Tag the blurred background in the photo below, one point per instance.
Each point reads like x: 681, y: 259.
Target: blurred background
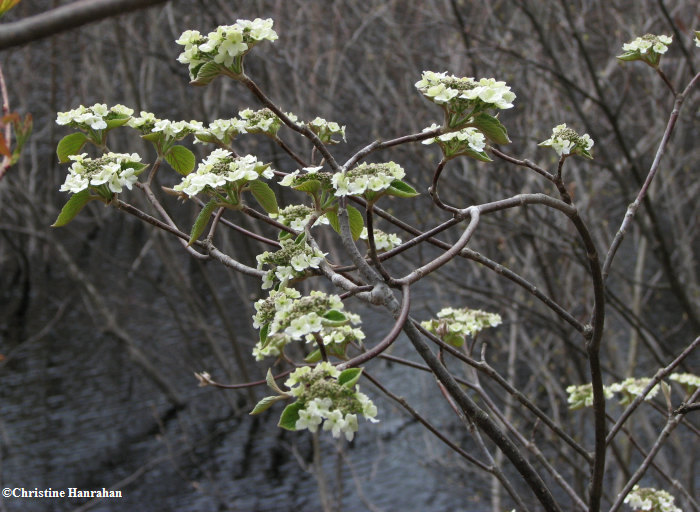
x: 103, y: 322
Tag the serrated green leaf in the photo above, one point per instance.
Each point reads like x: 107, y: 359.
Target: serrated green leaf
x: 492, y: 128
x: 290, y: 415
x: 312, y: 187
x: 264, y: 195
x: 357, y: 222
x: 181, y: 159
x: 118, y: 121
x: 349, y: 377
x: 266, y: 403
x: 332, y: 216
x: 76, y: 203
x: 202, y: 220
x: 270, y: 379
x: 206, y: 73
x: 313, y: 357
x: 399, y: 188
x: 70, y: 145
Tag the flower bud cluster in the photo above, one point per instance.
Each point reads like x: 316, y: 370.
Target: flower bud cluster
x: 461, y: 94
x: 364, y: 177
x: 94, y: 117
x: 326, y: 130
x: 325, y: 400
x: 582, y: 396
x: 219, y: 169
x: 289, y: 262
x: 111, y: 172
x: 653, y: 500
x: 382, y: 241
x: 225, y: 44
x: 566, y: 141
x: 297, y: 216
x: 454, y: 324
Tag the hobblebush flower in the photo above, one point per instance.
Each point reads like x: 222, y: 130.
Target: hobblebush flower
x: 467, y: 141
x: 566, y: 142
x: 221, y: 131
x: 329, y: 397
x: 367, y: 177
x: 289, y: 262
x: 297, y: 216
x: 147, y: 123
x: 653, y: 500
x: 96, y: 117
x: 649, y: 48
x: 442, y: 88
x: 382, y: 241
x: 690, y: 381
x: 631, y: 388
x: 223, y: 173
x: 106, y: 175
x: 582, y: 396
x: 453, y: 325
x: 285, y: 316
x: 224, y: 48
x: 326, y: 130
x: 263, y: 121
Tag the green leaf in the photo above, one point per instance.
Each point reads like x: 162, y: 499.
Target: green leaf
x: 270, y: 379
x: 155, y: 137
x: 312, y: 187
x: 202, y: 221
x: 332, y: 216
x: 454, y: 339
x: 477, y: 155
x: 300, y: 239
x: 73, y: 207
x: 335, y: 316
x: 264, y: 195
x: 181, y: 159
x: 357, y: 222
x: 313, y: 357
x: 290, y: 415
x: 266, y: 403
x: 206, y: 73
x: 70, y: 145
x: 263, y: 333
x: 399, y: 188
x: 491, y: 128
x: 349, y: 377
x: 118, y: 121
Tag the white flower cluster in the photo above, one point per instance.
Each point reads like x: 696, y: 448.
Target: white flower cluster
x: 582, y: 396
x: 454, y: 324
x: 653, y: 500
x: 566, y: 141
x: 286, y: 311
x: 374, y: 177
x: 113, y: 170
x: 326, y: 130
x: 442, y: 88
x: 470, y: 137
x: 327, y: 401
x: 689, y: 380
x: 631, y: 388
x: 225, y: 44
x: 221, y: 131
x: 289, y: 262
x: 296, y: 178
x: 94, y: 117
x: 263, y: 121
x: 148, y: 123
x: 382, y: 241
x: 221, y: 168
x: 641, y: 45
x: 297, y: 216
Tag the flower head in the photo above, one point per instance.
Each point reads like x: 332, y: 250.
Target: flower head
x: 566, y: 142
x: 453, y: 325
x: 467, y: 141
x: 106, y: 175
x: 649, y: 48
x: 366, y: 177
x: 95, y: 117
x: 653, y: 500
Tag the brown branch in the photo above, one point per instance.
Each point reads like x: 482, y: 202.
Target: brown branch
x: 66, y: 17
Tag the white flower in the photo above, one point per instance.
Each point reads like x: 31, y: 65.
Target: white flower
x: 374, y: 177
x: 566, y: 141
